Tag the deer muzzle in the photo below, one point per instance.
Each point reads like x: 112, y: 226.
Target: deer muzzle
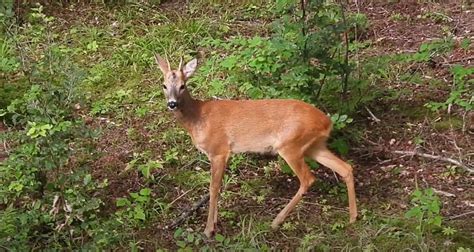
x: 172, y: 105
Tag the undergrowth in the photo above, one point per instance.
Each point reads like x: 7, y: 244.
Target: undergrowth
x: 64, y: 85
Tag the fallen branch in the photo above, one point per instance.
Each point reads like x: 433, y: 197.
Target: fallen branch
x: 372, y: 115
x: 456, y: 60
x: 447, y: 194
x: 182, y: 195
x: 460, y: 215
x: 445, y: 159
x: 185, y: 215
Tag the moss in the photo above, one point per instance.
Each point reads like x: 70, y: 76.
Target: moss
x: 448, y: 123
x: 412, y: 112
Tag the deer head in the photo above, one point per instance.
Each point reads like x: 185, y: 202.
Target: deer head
x: 174, y: 85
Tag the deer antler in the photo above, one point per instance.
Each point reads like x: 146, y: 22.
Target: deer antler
x: 167, y: 61
x: 180, y: 62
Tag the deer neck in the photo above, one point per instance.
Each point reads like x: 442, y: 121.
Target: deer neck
x: 188, y: 113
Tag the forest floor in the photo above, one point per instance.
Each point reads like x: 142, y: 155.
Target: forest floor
x: 255, y: 189
x: 384, y: 179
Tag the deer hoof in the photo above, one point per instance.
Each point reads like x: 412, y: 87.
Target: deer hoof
x: 209, y: 232
x: 352, y: 219
x: 275, y: 224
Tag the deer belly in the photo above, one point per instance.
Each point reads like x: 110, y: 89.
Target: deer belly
x: 266, y: 146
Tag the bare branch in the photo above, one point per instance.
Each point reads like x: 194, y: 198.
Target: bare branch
x: 190, y: 211
x: 345, y: 74
x: 180, y: 196
x: 372, y: 115
x: 450, y: 62
x: 447, y: 194
x: 445, y: 159
x: 460, y: 215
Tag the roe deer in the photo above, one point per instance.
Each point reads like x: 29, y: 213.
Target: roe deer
x: 291, y: 128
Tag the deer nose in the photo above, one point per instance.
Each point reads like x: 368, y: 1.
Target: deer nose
x: 172, y: 105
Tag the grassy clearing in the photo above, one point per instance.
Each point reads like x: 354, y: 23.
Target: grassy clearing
x: 96, y: 162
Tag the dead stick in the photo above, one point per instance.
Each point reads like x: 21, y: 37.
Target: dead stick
x: 182, y: 195
x: 190, y: 211
x: 447, y: 194
x: 445, y: 159
x: 460, y: 215
x: 457, y: 60
x: 372, y: 115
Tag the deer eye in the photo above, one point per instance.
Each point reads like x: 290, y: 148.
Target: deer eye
x: 181, y: 88
x: 164, y: 86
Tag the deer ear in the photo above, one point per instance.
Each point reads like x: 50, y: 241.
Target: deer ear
x: 162, y: 63
x: 189, y: 69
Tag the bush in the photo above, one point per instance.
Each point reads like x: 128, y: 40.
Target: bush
x: 305, y: 58
x: 46, y: 197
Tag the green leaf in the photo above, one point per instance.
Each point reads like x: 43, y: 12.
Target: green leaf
x: 465, y: 43
x: 229, y: 62
x: 416, y: 194
x: 413, y: 212
x: 122, y: 202
x: 178, y: 233
x: 15, y: 186
x: 92, y: 46
x: 31, y: 132
x: 181, y: 244
x: 437, y: 221
x: 146, y: 170
x: 139, y: 214
x: 45, y: 127
x: 340, y: 145
x: 190, y: 238
x: 145, y: 191
x: 285, y: 168
x: 219, y: 238
x: 87, y: 179
x: 448, y: 231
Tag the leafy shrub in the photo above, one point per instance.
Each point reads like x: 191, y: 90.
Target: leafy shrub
x: 305, y: 58
x: 134, y: 209
x: 462, y: 90
x: 8, y: 62
x: 38, y: 186
x: 426, y: 210
x: 429, y: 50
x: 46, y: 192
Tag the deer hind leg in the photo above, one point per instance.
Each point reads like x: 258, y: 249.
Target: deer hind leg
x: 306, y: 178
x: 325, y: 157
x: 218, y: 163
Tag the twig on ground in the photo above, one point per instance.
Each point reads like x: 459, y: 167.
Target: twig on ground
x: 372, y: 115
x: 445, y: 159
x: 5, y: 147
x: 457, y: 60
x: 335, y: 176
x: 217, y: 98
x: 447, y: 194
x: 180, y: 196
x: 460, y: 215
x: 190, y: 211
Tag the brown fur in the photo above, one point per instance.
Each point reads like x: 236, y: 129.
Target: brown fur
x: 291, y: 128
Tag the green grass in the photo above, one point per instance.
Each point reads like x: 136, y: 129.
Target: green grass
x: 123, y: 85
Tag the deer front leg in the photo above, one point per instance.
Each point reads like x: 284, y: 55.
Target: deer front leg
x: 218, y: 164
